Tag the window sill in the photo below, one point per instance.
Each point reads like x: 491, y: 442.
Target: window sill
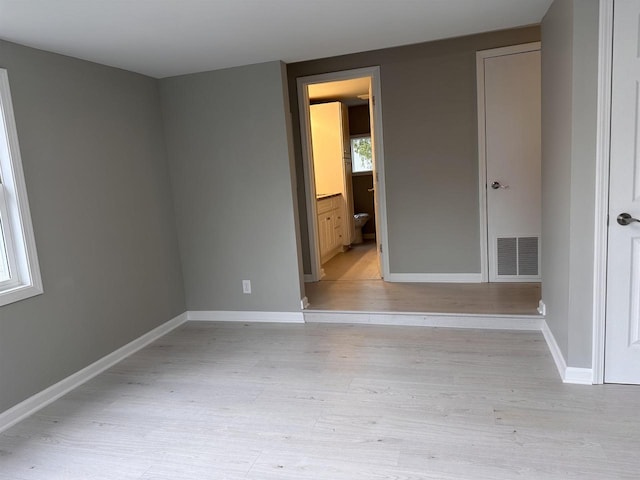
x: 21, y: 292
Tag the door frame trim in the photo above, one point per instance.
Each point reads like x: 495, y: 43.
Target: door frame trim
x: 305, y: 133
x: 481, y: 55
x: 601, y: 207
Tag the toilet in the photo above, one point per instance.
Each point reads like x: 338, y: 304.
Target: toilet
x: 359, y: 220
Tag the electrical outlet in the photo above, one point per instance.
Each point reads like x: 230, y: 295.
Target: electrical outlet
x: 246, y: 286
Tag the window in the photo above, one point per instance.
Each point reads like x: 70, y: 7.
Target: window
x: 361, y: 158
x: 19, y: 270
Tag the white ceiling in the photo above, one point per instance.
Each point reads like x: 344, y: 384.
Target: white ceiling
x: 171, y: 37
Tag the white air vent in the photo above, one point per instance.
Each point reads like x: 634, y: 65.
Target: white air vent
x: 507, y: 256
x: 518, y: 256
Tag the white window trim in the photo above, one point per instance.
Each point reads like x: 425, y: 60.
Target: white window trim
x: 21, y: 246
x: 5, y: 231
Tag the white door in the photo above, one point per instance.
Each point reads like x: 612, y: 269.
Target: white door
x: 376, y: 206
x: 512, y: 143
x: 622, y: 348
x: 349, y: 231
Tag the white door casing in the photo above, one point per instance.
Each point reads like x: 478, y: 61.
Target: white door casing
x: 374, y: 149
x: 509, y: 102
x: 373, y: 73
x: 622, y: 324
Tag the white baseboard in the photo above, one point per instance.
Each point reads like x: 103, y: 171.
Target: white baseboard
x: 45, y: 397
x: 434, y: 277
x: 494, y: 322
x: 582, y: 376
x: 308, y: 278
x: 556, y: 353
x: 245, y: 316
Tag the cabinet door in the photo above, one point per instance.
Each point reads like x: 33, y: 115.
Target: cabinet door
x: 337, y: 233
x: 322, y: 234
x: 337, y: 225
x: 331, y: 241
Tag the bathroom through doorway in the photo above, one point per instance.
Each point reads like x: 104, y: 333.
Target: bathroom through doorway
x: 342, y: 149
x: 349, y: 276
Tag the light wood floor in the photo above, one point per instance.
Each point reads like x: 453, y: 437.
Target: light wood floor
x: 352, y: 283
x: 379, y: 296
x: 339, y: 402
x: 360, y: 262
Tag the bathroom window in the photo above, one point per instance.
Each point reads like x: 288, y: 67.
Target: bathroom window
x: 19, y: 270
x: 361, y: 157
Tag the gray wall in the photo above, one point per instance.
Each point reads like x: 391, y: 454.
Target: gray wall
x: 98, y: 186
x: 557, y: 66
x: 227, y: 136
x: 569, y: 92
x: 429, y: 118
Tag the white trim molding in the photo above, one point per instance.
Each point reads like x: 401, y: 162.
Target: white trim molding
x: 554, y: 348
x: 434, y: 277
x: 305, y: 138
x: 40, y: 400
x: 578, y: 376
x: 245, y: 316
x: 601, y: 208
x: 581, y: 376
x: 18, y: 236
x: 309, y: 181
x: 444, y: 320
x: 482, y: 143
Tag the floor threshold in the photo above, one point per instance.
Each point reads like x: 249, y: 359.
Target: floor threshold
x: 445, y: 320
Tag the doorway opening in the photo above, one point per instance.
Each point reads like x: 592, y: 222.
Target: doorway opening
x: 342, y: 150
x: 332, y: 286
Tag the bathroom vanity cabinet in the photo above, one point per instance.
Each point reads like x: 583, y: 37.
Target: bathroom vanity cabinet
x: 330, y: 211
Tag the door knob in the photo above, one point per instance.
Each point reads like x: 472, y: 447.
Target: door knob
x: 626, y: 219
x: 497, y: 185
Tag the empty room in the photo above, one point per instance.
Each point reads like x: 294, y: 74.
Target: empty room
x: 324, y: 239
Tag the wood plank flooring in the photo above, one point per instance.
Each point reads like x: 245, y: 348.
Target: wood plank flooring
x: 269, y: 401
x: 360, y: 262
x: 465, y: 298
x: 352, y: 283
